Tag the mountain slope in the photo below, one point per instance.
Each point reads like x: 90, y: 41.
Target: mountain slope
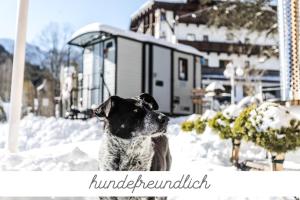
x: 34, y: 55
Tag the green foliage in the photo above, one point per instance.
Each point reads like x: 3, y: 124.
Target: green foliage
x: 241, y: 126
x: 279, y: 140
x: 187, y: 126
x: 221, y: 125
x: 274, y: 140
x: 198, y: 125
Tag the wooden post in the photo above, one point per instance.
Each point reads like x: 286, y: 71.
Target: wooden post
x: 17, y: 76
x: 236, y: 143
x: 277, y: 161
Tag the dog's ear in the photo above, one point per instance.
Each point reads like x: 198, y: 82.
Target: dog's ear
x: 150, y: 100
x: 106, y: 108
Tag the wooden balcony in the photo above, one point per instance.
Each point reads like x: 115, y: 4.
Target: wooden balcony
x: 229, y: 48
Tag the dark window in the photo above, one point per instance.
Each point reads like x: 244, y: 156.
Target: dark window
x: 247, y: 40
x: 109, y: 45
x: 146, y: 23
x: 204, y: 62
x: 223, y: 63
x: 205, y: 38
x: 247, y: 64
x: 182, y: 69
x: 163, y: 35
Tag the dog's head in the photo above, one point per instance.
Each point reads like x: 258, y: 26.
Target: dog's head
x: 128, y: 118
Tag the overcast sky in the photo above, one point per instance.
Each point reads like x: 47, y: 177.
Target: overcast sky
x: 77, y: 13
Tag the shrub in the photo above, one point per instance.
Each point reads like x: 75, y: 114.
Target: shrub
x: 200, y: 126
x: 223, y: 122
x: 270, y: 126
x: 221, y: 125
x: 187, y: 126
x: 241, y: 124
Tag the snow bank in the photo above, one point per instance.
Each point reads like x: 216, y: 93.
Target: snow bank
x: 40, y: 132
x: 60, y: 144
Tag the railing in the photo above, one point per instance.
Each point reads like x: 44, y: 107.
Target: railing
x: 223, y: 47
x: 206, y: 70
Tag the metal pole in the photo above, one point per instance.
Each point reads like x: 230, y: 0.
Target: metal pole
x: 232, y: 86
x: 17, y: 76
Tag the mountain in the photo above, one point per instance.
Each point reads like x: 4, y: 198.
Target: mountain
x: 34, y: 55
x: 38, y: 57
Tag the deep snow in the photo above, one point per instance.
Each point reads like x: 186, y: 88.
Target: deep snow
x: 60, y: 144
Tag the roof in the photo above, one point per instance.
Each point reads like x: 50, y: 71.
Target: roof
x: 96, y: 31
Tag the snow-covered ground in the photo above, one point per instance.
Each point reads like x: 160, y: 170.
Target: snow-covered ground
x: 60, y: 144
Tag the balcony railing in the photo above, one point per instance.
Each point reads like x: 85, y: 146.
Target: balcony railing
x: 223, y: 47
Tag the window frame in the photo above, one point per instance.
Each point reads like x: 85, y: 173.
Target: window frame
x: 184, y: 63
x: 205, y: 38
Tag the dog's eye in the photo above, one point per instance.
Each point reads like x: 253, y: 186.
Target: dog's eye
x: 148, y: 106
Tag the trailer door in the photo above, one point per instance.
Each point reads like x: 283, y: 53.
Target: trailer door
x: 183, y: 83
x: 161, y: 87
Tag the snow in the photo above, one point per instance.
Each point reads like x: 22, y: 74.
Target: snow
x: 193, y: 117
x: 95, y: 28
x: 61, y: 144
x: 232, y: 111
x: 214, y: 86
x: 49, y: 144
x: 248, y: 100
x: 272, y: 116
x: 148, y: 4
x: 37, y: 132
x: 208, y: 114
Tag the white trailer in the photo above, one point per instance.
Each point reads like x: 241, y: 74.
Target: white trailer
x: 125, y: 63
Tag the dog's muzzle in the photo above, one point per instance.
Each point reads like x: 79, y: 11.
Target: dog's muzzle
x: 163, y: 121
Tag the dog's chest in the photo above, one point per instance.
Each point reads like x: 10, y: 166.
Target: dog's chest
x: 123, y: 155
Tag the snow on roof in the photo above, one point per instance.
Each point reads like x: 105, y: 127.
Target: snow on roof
x: 95, y: 28
x: 214, y: 86
x: 148, y: 4
x: 143, y: 8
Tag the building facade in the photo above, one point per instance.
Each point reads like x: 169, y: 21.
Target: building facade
x: 219, y: 45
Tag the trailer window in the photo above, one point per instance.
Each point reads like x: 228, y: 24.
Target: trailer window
x: 182, y: 69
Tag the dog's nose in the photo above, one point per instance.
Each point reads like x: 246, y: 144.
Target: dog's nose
x: 163, y: 118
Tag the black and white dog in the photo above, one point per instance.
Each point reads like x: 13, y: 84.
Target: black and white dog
x: 134, y: 137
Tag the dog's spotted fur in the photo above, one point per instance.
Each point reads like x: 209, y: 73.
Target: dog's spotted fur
x: 134, y: 138
x: 119, y: 154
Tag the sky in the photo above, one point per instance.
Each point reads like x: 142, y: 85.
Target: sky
x: 75, y: 13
